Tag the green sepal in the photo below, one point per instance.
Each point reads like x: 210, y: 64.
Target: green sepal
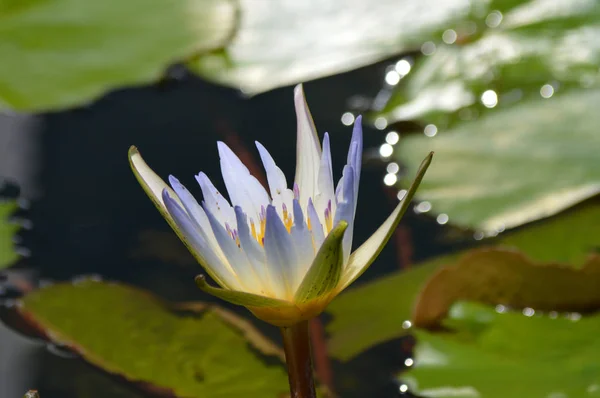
x: 240, y: 298
x: 326, y: 269
x: 364, y: 256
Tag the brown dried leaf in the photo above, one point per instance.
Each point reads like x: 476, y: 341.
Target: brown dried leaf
x: 497, y: 276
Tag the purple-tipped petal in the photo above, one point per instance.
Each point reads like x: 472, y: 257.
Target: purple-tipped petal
x: 316, y: 227
x: 215, y: 201
x: 237, y: 258
x: 346, y: 209
x: 218, y: 269
x: 281, y: 255
x: 325, y: 192
x: 302, y: 238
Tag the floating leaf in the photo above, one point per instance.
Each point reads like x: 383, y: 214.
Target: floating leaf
x: 374, y: 312
x: 508, y: 278
x: 515, y: 165
x: 63, y: 53
x: 129, y: 333
x: 7, y: 232
x: 494, y: 355
x: 520, y: 50
x: 285, y: 42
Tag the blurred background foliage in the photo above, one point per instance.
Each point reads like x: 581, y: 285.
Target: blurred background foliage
x: 504, y: 91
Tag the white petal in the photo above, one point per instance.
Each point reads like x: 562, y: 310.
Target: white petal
x: 218, y: 269
x: 281, y: 255
x: 237, y: 258
x: 325, y: 192
x: 316, y: 227
x: 152, y: 184
x: 254, y: 251
x: 215, y: 202
x: 243, y: 188
x: 280, y: 193
x: 308, y: 150
x: 302, y: 238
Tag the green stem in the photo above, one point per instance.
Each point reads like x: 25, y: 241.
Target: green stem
x: 296, y: 343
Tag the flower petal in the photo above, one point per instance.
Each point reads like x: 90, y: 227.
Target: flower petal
x: 316, y: 228
x: 243, y: 188
x: 324, y: 273
x: 152, y: 184
x: 302, y: 238
x: 355, y: 157
x: 308, y: 149
x: 214, y: 201
x: 281, y: 254
x: 280, y: 193
x: 255, y: 253
x: 188, y: 232
x: 325, y: 192
x: 237, y: 258
x: 240, y: 298
x: 346, y: 208
x: 362, y: 257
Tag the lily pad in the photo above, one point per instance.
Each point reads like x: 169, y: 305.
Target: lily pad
x: 514, y: 165
x: 62, y: 53
x: 518, y: 48
x: 507, y: 355
x: 7, y: 231
x: 375, y: 312
x: 134, y: 335
x: 511, y: 279
x: 285, y: 42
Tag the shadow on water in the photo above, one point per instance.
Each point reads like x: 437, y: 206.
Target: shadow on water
x: 94, y: 218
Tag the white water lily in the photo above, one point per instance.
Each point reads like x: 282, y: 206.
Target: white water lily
x: 286, y: 253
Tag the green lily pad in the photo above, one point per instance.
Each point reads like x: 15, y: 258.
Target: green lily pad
x: 132, y: 334
x: 7, y: 231
x: 514, y: 165
x: 493, y: 355
x: 285, y: 42
x: 63, y: 53
x: 522, y: 47
x: 375, y: 312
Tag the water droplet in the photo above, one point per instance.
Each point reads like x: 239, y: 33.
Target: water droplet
x: 409, y: 362
x: 423, y: 207
x: 401, y: 194
x: 392, y: 168
x: 478, y: 235
x: 406, y: 324
x: 386, y: 150
x: 392, y: 138
x: 553, y: 314
x: 430, y: 130
x: 449, y: 36
x: 403, y: 388
x: 493, y: 19
x: 347, y: 118
x: 442, y: 218
x: 501, y: 309
x: 390, y: 179
x: 489, y: 98
x: 380, y: 123
x: 528, y: 311
x: 547, y: 91
x: 403, y: 67
x: 392, y: 77
x: 428, y: 48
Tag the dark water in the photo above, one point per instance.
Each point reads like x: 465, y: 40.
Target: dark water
x: 92, y: 216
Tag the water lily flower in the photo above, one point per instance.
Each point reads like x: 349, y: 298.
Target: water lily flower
x: 282, y: 253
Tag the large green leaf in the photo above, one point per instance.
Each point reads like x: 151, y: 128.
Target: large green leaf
x: 60, y: 53
x: 375, y: 312
x: 128, y: 332
x: 284, y: 42
x: 534, y: 44
x: 515, y: 165
x: 7, y: 231
x: 507, y: 355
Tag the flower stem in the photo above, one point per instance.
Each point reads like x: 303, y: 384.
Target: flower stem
x: 296, y: 343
